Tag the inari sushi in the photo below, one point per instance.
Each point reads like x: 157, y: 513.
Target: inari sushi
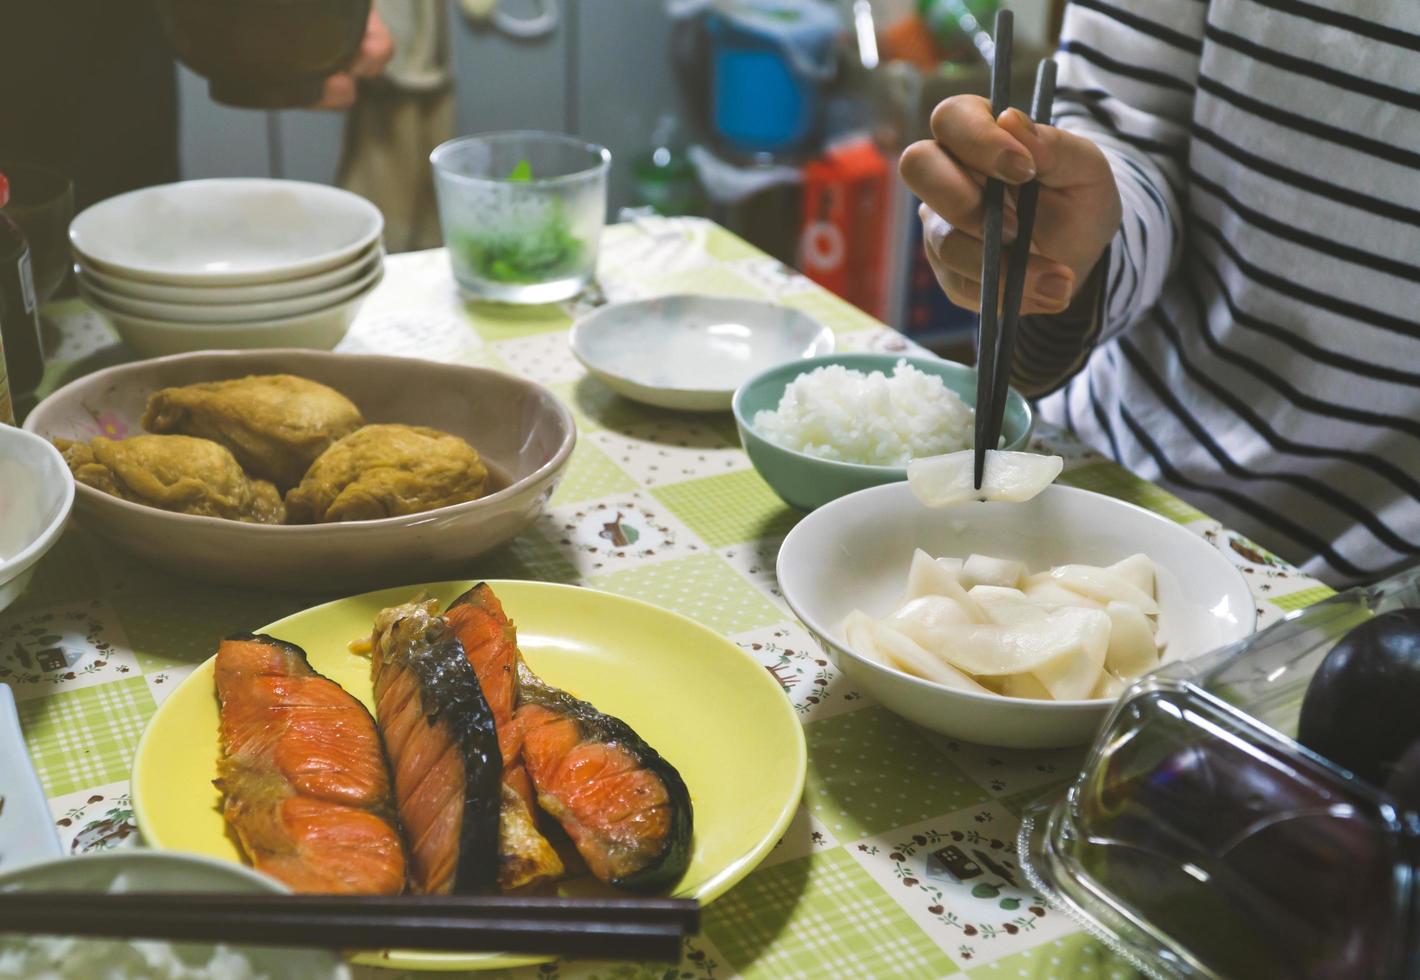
x: 490, y: 642
x: 304, y: 780
x: 442, y: 743
x: 625, y: 808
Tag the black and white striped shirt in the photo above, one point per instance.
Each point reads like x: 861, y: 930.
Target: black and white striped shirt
x: 1259, y: 346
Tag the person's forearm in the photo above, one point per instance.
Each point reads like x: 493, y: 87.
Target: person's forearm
x: 1052, y: 349
x: 1128, y: 70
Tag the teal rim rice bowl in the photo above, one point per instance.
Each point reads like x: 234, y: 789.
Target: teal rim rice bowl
x: 806, y: 481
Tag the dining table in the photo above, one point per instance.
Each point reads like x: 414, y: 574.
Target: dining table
x: 901, y: 859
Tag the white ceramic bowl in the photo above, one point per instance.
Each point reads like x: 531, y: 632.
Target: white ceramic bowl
x: 226, y: 231
x: 319, y: 330
x: 258, y: 292
x: 854, y: 553
x: 36, y: 494
x: 241, y: 312
x: 169, y: 871
x: 692, y: 352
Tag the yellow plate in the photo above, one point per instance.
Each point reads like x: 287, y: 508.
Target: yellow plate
x: 701, y: 701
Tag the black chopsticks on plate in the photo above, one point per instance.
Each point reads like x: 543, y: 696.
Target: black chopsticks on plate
x: 997, y: 338
x: 620, y: 928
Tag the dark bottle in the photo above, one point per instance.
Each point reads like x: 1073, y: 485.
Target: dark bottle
x: 23, y: 361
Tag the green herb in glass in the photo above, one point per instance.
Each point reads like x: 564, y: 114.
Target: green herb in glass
x: 537, y: 255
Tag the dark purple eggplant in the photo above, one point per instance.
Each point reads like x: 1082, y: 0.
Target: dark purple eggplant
x: 1257, y: 862
x: 1404, y: 781
x: 1362, y: 707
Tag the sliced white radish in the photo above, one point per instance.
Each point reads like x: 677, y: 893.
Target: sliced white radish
x: 996, y: 685
x: 1025, y: 686
x: 941, y: 481
x: 1132, y: 650
x: 932, y: 578
x: 1108, y: 686
x: 953, y: 565
x: 1008, y: 607
x: 911, y: 658
x: 1138, y: 571
x: 996, y: 593
x: 922, y: 577
x: 926, y: 615
x: 985, y: 570
x: 1046, y: 590
x: 992, y: 650
x: 858, y: 636
x: 928, y: 576
x: 1074, y: 674
x: 1104, y: 586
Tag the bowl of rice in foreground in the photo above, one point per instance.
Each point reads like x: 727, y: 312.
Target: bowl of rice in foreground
x: 824, y: 427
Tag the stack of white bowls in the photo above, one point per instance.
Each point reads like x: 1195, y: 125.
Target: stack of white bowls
x: 229, y: 263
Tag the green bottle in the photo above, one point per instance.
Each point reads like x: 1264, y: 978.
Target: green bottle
x: 954, y: 23
x: 663, y: 176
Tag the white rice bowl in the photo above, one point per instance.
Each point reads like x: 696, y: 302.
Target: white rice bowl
x: 837, y: 413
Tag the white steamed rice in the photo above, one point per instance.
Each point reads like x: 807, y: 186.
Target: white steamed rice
x: 855, y: 417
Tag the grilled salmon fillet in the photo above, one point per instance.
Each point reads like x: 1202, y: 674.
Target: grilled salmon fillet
x: 303, y: 776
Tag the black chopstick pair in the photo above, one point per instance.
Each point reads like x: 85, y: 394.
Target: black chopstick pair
x: 997, y: 338
x: 617, y: 928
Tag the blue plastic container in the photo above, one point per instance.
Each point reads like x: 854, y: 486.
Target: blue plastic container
x: 769, y: 60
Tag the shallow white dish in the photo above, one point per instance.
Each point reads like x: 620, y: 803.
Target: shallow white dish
x: 692, y: 352
x: 854, y: 553
x: 240, y: 312
x: 27, y: 831
x: 36, y: 495
x: 257, y: 292
x: 319, y: 330
x: 226, y: 231
x: 169, y: 871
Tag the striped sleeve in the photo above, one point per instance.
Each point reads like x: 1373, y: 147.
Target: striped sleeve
x: 1128, y: 73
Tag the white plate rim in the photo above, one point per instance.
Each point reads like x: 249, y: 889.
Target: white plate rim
x: 823, y: 342
x: 258, y: 292
x: 235, y: 313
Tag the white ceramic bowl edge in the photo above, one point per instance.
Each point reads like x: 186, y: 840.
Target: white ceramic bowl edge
x: 36, y: 496
x: 855, y: 552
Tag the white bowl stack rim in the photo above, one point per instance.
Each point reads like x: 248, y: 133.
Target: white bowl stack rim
x: 227, y: 255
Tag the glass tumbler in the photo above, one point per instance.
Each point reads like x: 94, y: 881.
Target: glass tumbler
x: 522, y: 213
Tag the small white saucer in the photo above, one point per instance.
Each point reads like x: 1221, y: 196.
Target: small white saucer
x: 692, y: 352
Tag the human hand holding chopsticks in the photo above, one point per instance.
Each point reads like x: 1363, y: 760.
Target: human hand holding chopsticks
x: 1077, y: 214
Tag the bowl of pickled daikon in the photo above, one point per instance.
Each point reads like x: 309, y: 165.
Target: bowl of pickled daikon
x: 1007, y: 623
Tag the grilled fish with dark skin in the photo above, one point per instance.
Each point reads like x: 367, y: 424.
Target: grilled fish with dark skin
x: 303, y: 776
x: 625, y: 808
x: 491, y: 645
x: 440, y: 735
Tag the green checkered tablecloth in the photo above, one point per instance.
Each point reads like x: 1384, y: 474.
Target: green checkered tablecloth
x: 862, y: 884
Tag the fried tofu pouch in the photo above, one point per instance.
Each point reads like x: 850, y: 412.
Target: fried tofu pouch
x: 386, y: 471
x: 177, y: 473
x: 276, y: 425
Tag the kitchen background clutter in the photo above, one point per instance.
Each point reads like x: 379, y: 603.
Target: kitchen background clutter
x: 805, y: 169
